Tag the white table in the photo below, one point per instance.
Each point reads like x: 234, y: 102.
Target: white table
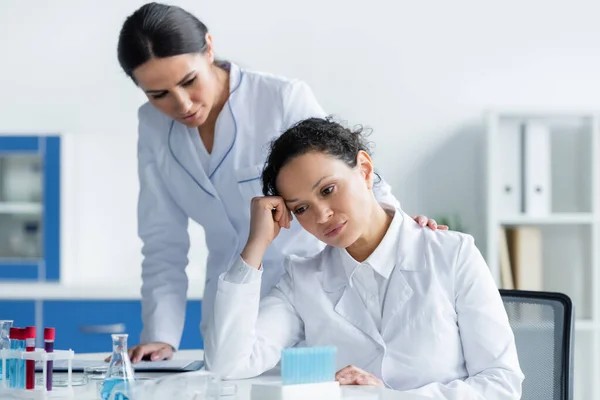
x: 243, y: 387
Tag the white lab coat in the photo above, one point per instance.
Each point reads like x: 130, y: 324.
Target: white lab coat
x: 174, y: 187
x: 444, y: 332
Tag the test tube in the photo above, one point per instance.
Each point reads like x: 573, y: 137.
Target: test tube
x: 20, y: 362
x: 5, y: 326
x: 12, y: 363
x: 30, y: 364
x: 49, y: 334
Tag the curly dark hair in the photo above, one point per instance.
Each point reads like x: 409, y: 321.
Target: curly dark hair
x: 312, y: 134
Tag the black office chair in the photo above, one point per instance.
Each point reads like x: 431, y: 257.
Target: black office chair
x: 543, y: 324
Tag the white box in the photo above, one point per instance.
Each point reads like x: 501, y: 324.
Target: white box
x: 306, y: 391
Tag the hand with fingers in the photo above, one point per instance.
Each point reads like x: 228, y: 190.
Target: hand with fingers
x: 424, y: 221
x: 155, y: 351
x: 267, y: 216
x: 352, y: 375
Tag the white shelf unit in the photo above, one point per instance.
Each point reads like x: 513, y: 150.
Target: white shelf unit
x: 570, y: 231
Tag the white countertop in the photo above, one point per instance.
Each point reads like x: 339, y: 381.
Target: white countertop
x: 240, y: 389
x: 60, y: 291
x: 243, y: 387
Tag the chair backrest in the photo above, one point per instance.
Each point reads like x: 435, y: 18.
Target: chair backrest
x: 543, y: 324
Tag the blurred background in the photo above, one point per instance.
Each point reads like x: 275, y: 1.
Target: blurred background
x: 450, y: 90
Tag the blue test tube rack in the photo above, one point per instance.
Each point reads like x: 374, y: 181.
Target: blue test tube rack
x: 39, y: 392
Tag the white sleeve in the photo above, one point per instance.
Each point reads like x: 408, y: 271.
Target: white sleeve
x: 243, y: 273
x: 487, y: 338
x: 299, y: 103
x: 248, y: 334
x: 162, y: 227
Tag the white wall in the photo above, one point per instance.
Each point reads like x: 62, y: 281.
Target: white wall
x: 419, y: 73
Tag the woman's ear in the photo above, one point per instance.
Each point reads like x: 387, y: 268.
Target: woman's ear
x: 209, y: 53
x: 365, y: 165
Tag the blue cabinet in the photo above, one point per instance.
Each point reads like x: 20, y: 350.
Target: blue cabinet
x: 192, y: 339
x: 86, y: 326
x: 22, y: 312
x: 30, y: 208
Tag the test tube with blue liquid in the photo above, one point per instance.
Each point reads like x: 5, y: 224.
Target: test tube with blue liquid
x: 5, y: 326
x: 16, y: 366
x: 20, y: 362
x: 11, y: 363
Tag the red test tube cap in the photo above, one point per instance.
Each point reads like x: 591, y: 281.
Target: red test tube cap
x: 15, y: 333
x: 49, y: 333
x: 30, y: 332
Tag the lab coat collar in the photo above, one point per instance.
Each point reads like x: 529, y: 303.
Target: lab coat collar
x: 235, y: 76
x: 410, y: 253
x: 409, y: 256
x: 226, y: 128
x: 383, y: 259
x: 181, y: 146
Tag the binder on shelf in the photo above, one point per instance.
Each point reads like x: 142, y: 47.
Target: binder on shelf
x: 536, y: 188
x: 525, y: 248
x: 509, y: 170
x: 506, y: 273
